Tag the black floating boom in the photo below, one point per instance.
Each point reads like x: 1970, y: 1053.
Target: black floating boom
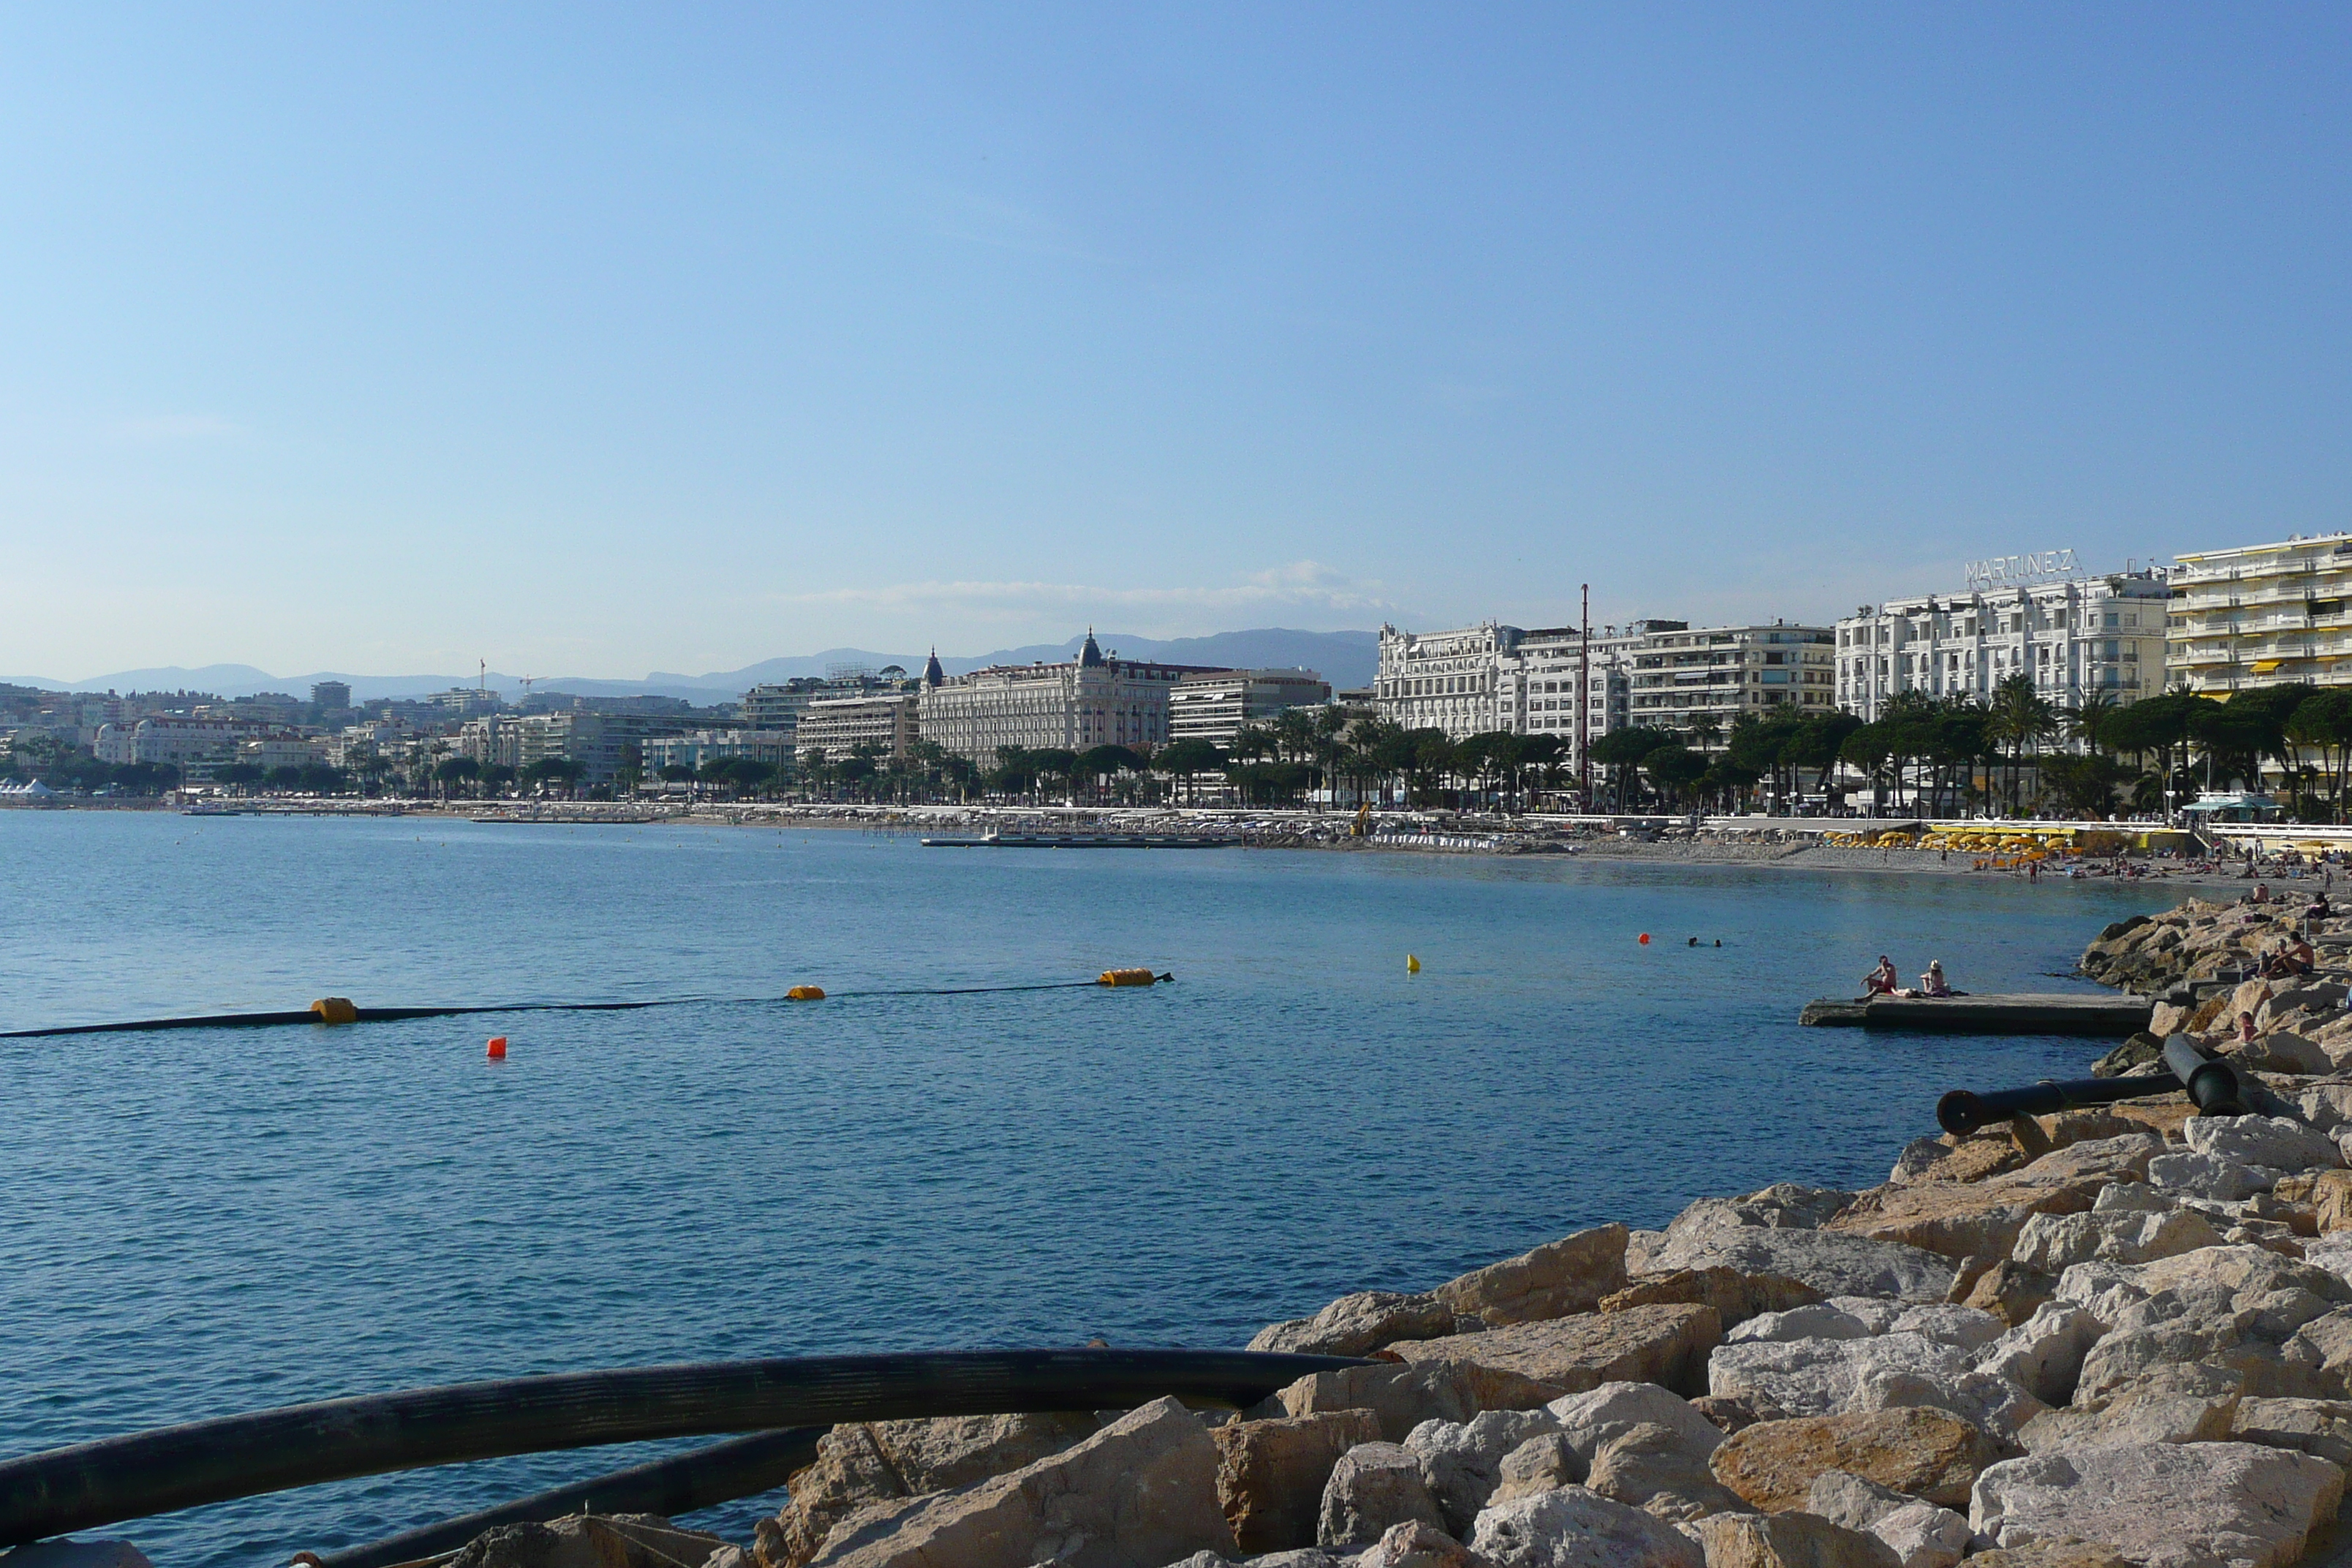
x: 739, y: 1467
x: 2211, y: 1084
x: 118, y: 1479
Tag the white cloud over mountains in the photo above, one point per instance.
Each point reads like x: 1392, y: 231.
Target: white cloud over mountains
x: 1300, y: 586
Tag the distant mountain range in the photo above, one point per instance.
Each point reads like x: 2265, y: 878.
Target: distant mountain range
x: 1344, y: 658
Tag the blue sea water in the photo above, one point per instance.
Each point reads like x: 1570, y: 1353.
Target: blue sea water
x: 200, y: 1223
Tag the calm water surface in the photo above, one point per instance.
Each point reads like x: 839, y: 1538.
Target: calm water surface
x: 201, y: 1222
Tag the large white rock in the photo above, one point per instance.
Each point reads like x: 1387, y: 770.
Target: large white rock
x: 1818, y: 1377
x: 1819, y: 1321
x: 1922, y: 1534
x: 1462, y: 1460
x: 2208, y: 1176
x: 1876, y: 1313
x: 2137, y: 1197
x: 2052, y: 1242
x: 1374, y: 1485
x: 2197, y: 1505
x: 2191, y: 1404
x: 1591, y: 1419
x: 1573, y: 1528
x: 2332, y: 1252
x: 1988, y: 1400
x: 1833, y: 1262
x: 2043, y: 1355
x: 1962, y: 1328
x: 1142, y: 1491
x: 2238, y: 1270
x: 2279, y: 1141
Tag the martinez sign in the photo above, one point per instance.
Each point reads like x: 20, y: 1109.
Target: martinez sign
x: 2010, y: 571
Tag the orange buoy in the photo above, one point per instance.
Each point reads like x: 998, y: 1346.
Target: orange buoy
x: 1645, y: 939
x: 334, y: 1010
x: 1125, y: 977
x: 498, y: 1048
x: 805, y: 993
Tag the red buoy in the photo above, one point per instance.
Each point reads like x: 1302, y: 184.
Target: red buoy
x: 1645, y: 939
x: 498, y: 1042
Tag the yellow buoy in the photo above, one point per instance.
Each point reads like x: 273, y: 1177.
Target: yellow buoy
x: 805, y: 993
x: 1125, y: 977
x: 1412, y: 964
x: 335, y: 1010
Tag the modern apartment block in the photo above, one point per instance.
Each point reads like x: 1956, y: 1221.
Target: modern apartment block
x: 1707, y: 677
x: 598, y: 742
x: 2074, y: 636
x: 1214, y: 705
x: 696, y: 747
x: 778, y: 705
x: 2261, y: 615
x: 885, y: 722
x: 1091, y: 701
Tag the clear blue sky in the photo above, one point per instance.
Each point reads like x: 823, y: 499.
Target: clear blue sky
x: 598, y: 340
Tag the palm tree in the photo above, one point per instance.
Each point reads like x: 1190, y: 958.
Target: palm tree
x: 2086, y: 721
x: 2024, y: 718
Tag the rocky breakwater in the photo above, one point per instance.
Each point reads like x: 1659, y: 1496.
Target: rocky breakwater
x: 2200, y: 944
x: 2106, y: 1336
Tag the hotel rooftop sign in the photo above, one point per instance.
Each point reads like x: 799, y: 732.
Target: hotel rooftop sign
x: 2017, y: 571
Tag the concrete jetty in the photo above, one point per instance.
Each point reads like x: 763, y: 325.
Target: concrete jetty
x: 2017, y: 1012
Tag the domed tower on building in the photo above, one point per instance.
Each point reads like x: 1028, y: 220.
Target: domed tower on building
x: 1090, y: 654
x: 933, y: 676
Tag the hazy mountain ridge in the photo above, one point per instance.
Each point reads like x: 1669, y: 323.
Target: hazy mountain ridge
x: 1344, y: 658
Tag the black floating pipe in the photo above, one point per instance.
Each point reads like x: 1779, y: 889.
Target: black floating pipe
x: 307, y: 1016
x: 740, y: 1467
x: 118, y: 1479
x: 2212, y: 1085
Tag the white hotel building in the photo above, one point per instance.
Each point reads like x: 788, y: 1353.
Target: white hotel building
x: 2073, y: 635
x: 1661, y: 673
x: 1091, y: 701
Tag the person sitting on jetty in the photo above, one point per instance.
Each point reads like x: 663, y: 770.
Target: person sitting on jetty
x: 2245, y: 1028
x: 2317, y: 910
x: 1882, y: 980
x: 1933, y: 982
x: 2260, y: 895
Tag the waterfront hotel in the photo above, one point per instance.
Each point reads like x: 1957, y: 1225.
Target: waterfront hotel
x: 2075, y: 634
x: 1091, y: 701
